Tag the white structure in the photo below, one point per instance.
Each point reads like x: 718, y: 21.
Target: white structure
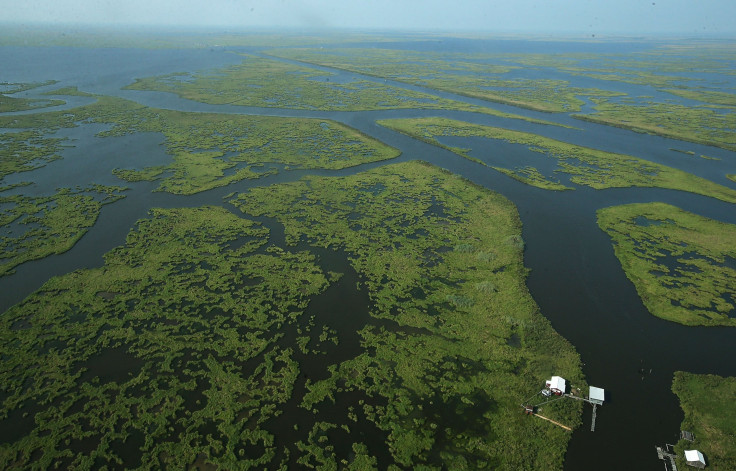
x: 557, y: 385
x: 596, y: 395
x: 695, y: 458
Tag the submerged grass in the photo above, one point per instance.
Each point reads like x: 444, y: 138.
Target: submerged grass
x: 682, y: 265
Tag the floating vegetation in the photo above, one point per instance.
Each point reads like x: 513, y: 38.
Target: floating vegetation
x: 436, y: 375
x: 586, y: 166
x: 707, y: 401
x: 35, y: 227
x: 208, y: 150
x: 682, y: 265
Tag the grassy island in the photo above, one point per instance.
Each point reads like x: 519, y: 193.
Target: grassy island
x: 586, y: 166
x: 682, y: 265
x: 707, y: 401
x: 208, y: 150
x: 35, y: 227
x: 205, y: 341
x: 699, y: 124
x: 459, y: 73
x: 270, y: 83
x: 10, y: 103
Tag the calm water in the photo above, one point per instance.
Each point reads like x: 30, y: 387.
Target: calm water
x: 575, y: 277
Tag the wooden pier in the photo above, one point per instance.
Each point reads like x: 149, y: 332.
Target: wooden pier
x: 593, y: 403
x: 592, y: 423
x: 595, y: 398
x: 667, y: 455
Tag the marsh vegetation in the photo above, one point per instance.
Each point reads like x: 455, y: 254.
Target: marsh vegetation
x: 190, y: 344
x: 682, y: 265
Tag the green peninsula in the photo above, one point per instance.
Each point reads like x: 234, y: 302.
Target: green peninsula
x: 709, y: 125
x: 586, y: 166
x: 682, y: 265
x: 190, y: 347
x: 459, y: 334
x: 707, y: 401
x: 208, y: 149
x: 10, y: 103
x: 35, y: 227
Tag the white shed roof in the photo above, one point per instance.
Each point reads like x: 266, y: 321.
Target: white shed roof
x: 694, y: 456
x: 556, y: 382
x: 597, y: 394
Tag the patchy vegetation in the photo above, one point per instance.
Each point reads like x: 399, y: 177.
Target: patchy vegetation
x: 209, y: 150
x: 707, y: 401
x: 586, y: 166
x: 166, y: 355
x: 9, y: 103
x: 278, y: 84
x: 442, y: 262
x: 191, y: 347
x: 35, y: 227
x: 682, y: 265
x: 458, y: 73
x: 702, y: 125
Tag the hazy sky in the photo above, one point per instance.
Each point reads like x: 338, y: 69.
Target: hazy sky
x: 537, y: 16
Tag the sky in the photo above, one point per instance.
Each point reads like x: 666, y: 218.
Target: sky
x: 632, y: 17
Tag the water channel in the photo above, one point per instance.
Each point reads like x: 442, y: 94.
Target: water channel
x: 575, y: 277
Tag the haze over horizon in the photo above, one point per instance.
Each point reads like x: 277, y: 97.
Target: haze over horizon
x: 589, y: 17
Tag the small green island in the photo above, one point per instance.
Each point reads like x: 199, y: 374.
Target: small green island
x: 707, y: 401
x: 682, y: 265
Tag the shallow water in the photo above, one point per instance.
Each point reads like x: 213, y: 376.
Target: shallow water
x: 575, y: 277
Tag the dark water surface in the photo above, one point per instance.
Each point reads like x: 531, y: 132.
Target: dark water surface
x: 575, y: 277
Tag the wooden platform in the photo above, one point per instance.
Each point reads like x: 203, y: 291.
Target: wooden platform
x: 666, y: 454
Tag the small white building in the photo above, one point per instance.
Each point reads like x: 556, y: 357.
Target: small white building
x: 695, y: 458
x: 557, y: 385
x: 596, y: 395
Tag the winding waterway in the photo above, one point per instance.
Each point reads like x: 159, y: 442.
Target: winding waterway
x: 575, y: 277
